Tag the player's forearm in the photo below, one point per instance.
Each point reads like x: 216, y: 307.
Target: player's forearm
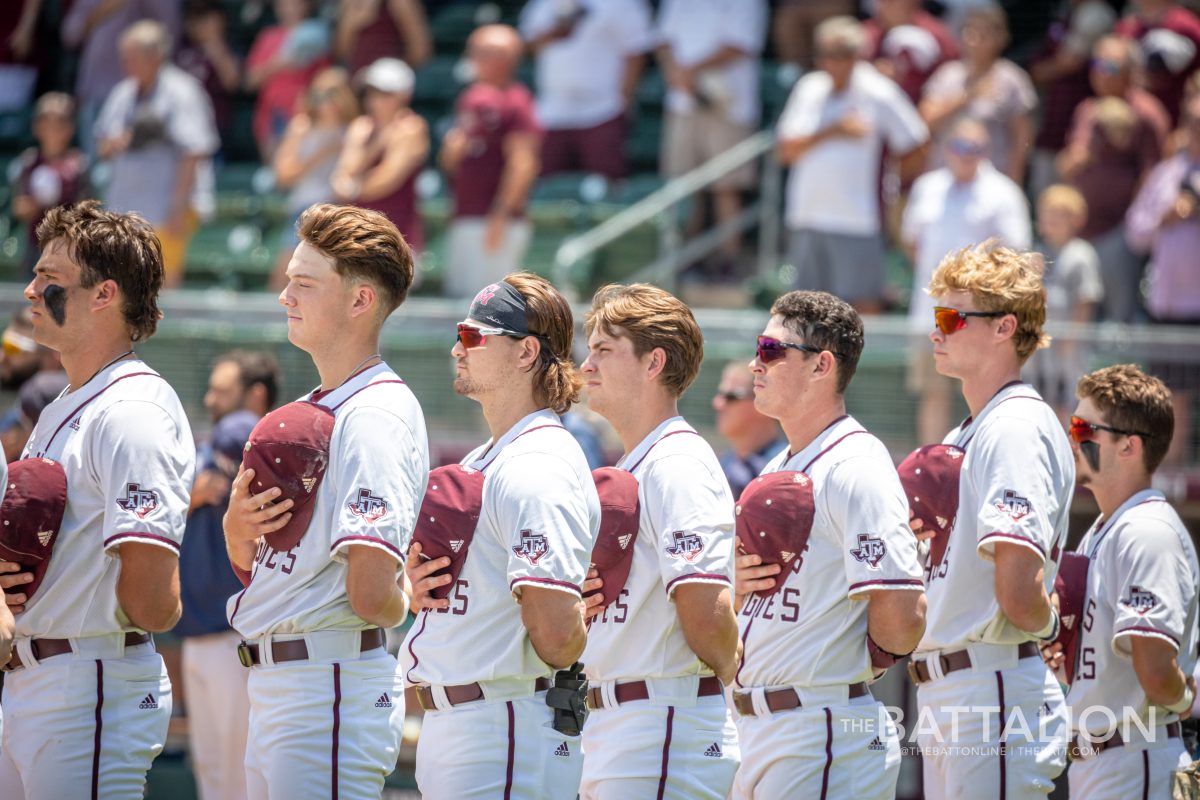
x: 153, y: 612
x: 896, y: 620
x: 241, y: 553
x: 709, y: 626
x: 1019, y: 587
x: 557, y: 634
x: 386, y: 611
x: 1157, y: 670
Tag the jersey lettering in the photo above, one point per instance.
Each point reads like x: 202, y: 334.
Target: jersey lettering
x: 791, y: 605
x: 269, y: 558
x: 458, y: 599
x: 1088, y: 615
x: 935, y: 571
x: 1087, y: 664
x: 621, y: 609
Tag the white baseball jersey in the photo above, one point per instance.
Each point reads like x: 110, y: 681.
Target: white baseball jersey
x: 685, y: 536
x: 127, y: 450
x: 372, y: 490
x: 1015, y: 486
x: 813, y: 630
x: 537, y: 524
x: 1142, y: 578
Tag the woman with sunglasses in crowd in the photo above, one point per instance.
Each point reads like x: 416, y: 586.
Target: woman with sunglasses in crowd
x: 989, y: 603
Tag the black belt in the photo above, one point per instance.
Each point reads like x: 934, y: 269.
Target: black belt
x: 638, y: 690
x: 1082, y: 748
x: 463, y: 693
x: 918, y: 670
x: 297, y: 649
x: 784, y: 699
x: 48, y: 648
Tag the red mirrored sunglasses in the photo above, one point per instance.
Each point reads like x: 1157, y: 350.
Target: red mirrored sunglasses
x: 1083, y: 431
x: 472, y: 336
x: 949, y: 320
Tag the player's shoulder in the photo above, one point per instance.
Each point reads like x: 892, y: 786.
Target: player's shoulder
x: 1022, y: 412
x: 1151, y: 525
x: 131, y: 388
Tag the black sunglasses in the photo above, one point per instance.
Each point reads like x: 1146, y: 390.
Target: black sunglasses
x: 770, y: 349
x: 733, y: 395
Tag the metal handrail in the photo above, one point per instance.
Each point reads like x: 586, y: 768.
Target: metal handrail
x: 576, y: 248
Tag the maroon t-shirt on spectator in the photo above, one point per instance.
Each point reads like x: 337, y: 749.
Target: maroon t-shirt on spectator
x: 50, y: 183
x: 487, y: 114
x: 195, y: 62
x: 381, y: 39
x: 910, y: 75
x: 1164, y: 84
x: 1112, y: 175
x: 1061, y: 96
x: 401, y: 205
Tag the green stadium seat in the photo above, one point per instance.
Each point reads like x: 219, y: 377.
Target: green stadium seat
x: 644, y: 142
x: 231, y: 254
x: 437, y: 84
x: 16, y: 129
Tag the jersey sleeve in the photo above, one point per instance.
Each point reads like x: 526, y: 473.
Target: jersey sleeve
x: 381, y: 471
x: 145, y: 475
x: 542, y: 513
x: 1153, y: 587
x: 690, y: 510
x: 867, y: 506
x: 1010, y: 466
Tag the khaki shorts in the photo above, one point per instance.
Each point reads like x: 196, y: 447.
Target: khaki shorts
x: 689, y: 140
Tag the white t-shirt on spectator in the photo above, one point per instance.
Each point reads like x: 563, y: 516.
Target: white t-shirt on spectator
x: 697, y: 29
x: 943, y: 216
x: 579, y: 78
x: 834, y: 186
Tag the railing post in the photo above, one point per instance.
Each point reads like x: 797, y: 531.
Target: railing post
x: 770, y: 214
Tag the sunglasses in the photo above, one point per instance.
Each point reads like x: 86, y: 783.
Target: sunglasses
x: 770, y: 350
x: 964, y: 147
x: 1083, y: 431
x: 472, y: 337
x: 1106, y: 66
x: 949, y: 320
x: 733, y: 395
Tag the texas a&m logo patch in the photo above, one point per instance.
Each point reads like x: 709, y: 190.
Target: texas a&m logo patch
x: 368, y: 505
x: 1014, y: 505
x: 533, y: 547
x: 1141, y: 600
x: 138, y: 501
x: 870, y: 550
x: 687, y: 546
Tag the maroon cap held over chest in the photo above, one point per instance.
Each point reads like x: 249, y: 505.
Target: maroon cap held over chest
x: 31, y: 516
x: 930, y: 476
x: 774, y: 520
x: 620, y: 514
x: 449, y: 514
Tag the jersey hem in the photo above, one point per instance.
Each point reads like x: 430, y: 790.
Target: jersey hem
x: 985, y: 552
x: 1142, y: 630
x: 366, y: 541
x: 697, y: 577
x: 148, y: 538
x: 886, y: 584
x: 546, y: 583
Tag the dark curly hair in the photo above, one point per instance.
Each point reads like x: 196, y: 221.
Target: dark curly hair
x: 827, y: 322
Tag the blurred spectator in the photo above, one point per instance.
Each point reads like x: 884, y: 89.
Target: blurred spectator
x: 1060, y: 71
x: 18, y: 74
x: 579, y: 423
x: 368, y: 30
x: 1178, y: 138
x: 1170, y: 38
x: 95, y: 28
x: 796, y: 23
x: 306, y: 158
x: 157, y: 129
x: 242, y: 387
x: 959, y: 205
x: 385, y: 149
x: 35, y: 372
x: 1073, y: 292
x: 1115, y: 139
x: 832, y: 133
x: 491, y: 158
x: 907, y: 43
x: 710, y: 55
x: 753, y: 438
x: 1165, y: 221
x: 281, y: 65
x: 52, y: 172
x: 590, y: 55
x: 206, y: 56
x: 987, y: 87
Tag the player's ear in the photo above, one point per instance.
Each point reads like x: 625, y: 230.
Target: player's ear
x: 364, y: 300
x: 656, y: 362
x: 105, y: 293
x: 1007, y: 327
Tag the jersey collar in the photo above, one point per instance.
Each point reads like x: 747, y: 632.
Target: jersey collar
x: 537, y: 419
x: 668, y: 425
x: 333, y: 397
x: 834, y: 431
x: 1103, y: 526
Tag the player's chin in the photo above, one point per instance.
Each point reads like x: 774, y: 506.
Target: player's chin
x: 465, y: 386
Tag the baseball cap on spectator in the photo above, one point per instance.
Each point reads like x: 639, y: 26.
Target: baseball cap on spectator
x: 289, y: 449
x: 229, y: 437
x: 914, y: 43
x: 40, y: 391
x: 31, y: 515
x: 388, y: 75
x: 449, y: 514
x: 929, y: 476
x: 1167, y: 51
x: 620, y: 512
x: 774, y: 520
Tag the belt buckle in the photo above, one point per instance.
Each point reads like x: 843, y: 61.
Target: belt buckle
x: 244, y: 655
x: 913, y: 675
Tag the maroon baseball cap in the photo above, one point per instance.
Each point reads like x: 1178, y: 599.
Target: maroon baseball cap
x: 1070, y: 582
x: 31, y: 515
x: 774, y: 520
x: 449, y: 514
x: 289, y: 449
x: 929, y: 476
x: 620, y: 516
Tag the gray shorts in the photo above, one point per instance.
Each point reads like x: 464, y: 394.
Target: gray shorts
x: 850, y: 267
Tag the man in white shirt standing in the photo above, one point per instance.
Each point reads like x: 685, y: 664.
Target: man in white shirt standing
x: 832, y: 134
x: 589, y: 56
x: 964, y: 202
x: 710, y: 53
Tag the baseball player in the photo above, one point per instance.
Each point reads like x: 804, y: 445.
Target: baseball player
x: 663, y: 644
x: 87, y: 698
x: 319, y: 519
x: 993, y: 718
x: 1137, y: 633
x: 482, y: 655
x: 847, y: 593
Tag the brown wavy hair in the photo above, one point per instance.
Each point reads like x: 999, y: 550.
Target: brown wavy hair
x: 364, y: 245
x: 109, y: 246
x: 1131, y: 400
x: 557, y: 382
